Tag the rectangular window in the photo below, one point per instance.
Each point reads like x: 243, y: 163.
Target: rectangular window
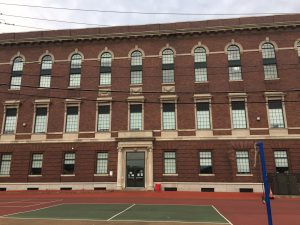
x: 36, y: 164
x: 40, y: 120
x: 270, y: 71
x: 74, y: 80
x: 205, y: 162
x: 235, y: 73
x: 103, y: 118
x: 242, y: 161
x: 169, y: 162
x: 15, y: 82
x: 105, y: 79
x: 203, y: 115
x: 69, y: 163
x: 281, y: 161
x: 136, y: 77
x: 238, y: 114
x: 276, y: 117
x: 200, y: 74
x: 5, y: 164
x: 102, y: 162
x: 45, y: 81
x: 10, y: 121
x: 72, y: 119
x: 169, y: 116
x: 136, y: 114
x: 168, y: 76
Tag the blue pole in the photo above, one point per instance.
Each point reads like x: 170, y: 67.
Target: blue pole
x: 265, y: 180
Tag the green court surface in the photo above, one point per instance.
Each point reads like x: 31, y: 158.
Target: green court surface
x: 127, y: 212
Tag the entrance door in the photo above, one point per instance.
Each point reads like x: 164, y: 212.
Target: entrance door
x: 135, y: 169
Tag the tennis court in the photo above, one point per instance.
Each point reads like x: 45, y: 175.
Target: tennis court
x: 197, y: 214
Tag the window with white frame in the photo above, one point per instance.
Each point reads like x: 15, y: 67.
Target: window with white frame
x: 136, y: 116
x: 136, y: 69
x: 168, y: 66
x: 5, y: 164
x: 203, y: 115
x: 239, y: 119
x: 10, y: 121
x: 103, y: 118
x: 71, y: 119
x: 206, y: 166
x: 269, y: 61
x: 281, y: 161
x: 46, y: 70
x: 200, y: 64
x: 36, y: 164
x: 169, y: 116
x: 69, y: 163
x: 276, y: 117
x: 17, y: 71
x: 234, y: 62
x: 102, y: 163
x: 242, y: 161
x: 169, y: 162
x: 75, y: 70
x: 105, y: 69
x: 40, y: 123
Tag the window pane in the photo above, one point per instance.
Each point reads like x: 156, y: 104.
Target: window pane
x: 69, y: 163
x: 268, y: 51
x: 205, y: 162
x: 169, y: 120
x: 75, y: 80
x: 201, y: 74
x: 136, y: 117
x: 15, y: 83
x: 169, y: 162
x: 45, y: 81
x: 298, y: 48
x: 168, y: 57
x: 102, y: 163
x: 46, y: 63
x: 106, y: 59
x: 37, y: 163
x: 270, y: 71
x: 281, y: 161
x: 10, y: 121
x: 105, y: 78
x: 200, y: 55
x: 203, y: 115
x: 276, y: 118
x: 136, y: 77
x: 168, y: 76
x: 242, y: 160
x: 72, y: 119
x: 40, y: 120
x: 238, y: 114
x: 233, y: 52
x: 76, y: 61
x: 104, y: 118
x: 136, y: 58
x: 18, y: 64
x: 235, y: 73
x: 5, y: 164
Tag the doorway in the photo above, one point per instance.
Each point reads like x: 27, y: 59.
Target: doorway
x: 135, y: 169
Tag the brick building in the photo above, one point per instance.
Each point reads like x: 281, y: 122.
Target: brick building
x: 177, y: 104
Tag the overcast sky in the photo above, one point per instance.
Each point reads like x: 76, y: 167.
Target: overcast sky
x: 9, y: 13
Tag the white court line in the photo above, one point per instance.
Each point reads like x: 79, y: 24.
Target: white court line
x: 26, y: 206
x: 222, y: 215
x: 15, y: 201
x: 33, y: 210
x: 121, y: 212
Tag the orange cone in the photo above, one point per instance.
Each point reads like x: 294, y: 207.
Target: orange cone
x: 271, y: 194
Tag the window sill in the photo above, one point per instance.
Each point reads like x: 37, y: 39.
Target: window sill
x: 4, y: 176
x: 136, y: 85
x: 9, y: 89
x: 277, y: 78
x: 201, y: 82
x: 170, y: 174
x: 172, y: 83
x: 43, y: 88
x: 77, y: 87
x: 235, y: 80
x: 104, y: 86
x: 31, y: 175
x: 206, y: 174
x: 244, y: 175
x: 101, y: 175
x: 67, y: 175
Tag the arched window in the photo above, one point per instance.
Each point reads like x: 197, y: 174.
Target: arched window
x: 200, y: 64
x: 234, y: 62
x: 269, y: 61
x: 105, y: 69
x: 75, y: 70
x: 17, y: 71
x: 168, y: 66
x: 46, y: 69
x: 298, y: 49
x: 136, y: 68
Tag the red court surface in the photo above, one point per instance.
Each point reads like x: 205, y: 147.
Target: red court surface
x: 238, y: 208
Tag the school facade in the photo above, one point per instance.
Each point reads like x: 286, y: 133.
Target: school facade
x: 181, y: 105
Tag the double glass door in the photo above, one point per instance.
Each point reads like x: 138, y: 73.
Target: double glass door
x: 135, y: 169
